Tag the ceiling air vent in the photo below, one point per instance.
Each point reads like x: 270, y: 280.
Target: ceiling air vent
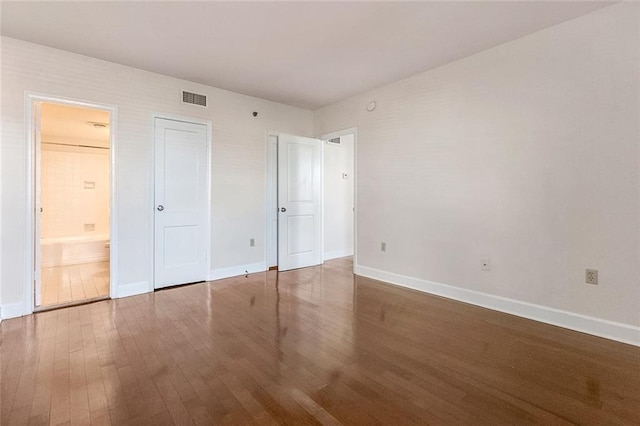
x: 194, y: 99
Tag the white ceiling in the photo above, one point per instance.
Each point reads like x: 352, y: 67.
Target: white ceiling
x: 307, y: 54
x: 68, y: 125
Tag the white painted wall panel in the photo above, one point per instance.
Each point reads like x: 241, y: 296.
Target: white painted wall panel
x: 527, y: 153
x: 238, y: 175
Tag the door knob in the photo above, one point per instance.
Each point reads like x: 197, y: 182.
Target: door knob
x: 160, y: 207
x: 283, y: 209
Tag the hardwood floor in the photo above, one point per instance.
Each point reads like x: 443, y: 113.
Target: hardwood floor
x: 310, y: 346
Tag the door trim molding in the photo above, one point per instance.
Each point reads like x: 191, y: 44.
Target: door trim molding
x: 31, y: 98
x: 350, y: 131
x: 152, y: 217
x: 271, y: 171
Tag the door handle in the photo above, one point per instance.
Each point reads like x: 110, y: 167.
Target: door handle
x: 160, y: 207
x: 283, y: 209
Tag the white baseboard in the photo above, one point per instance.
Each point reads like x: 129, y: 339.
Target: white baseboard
x: 133, y: 289
x: 234, y: 271
x: 328, y: 255
x: 11, y: 310
x: 603, y: 328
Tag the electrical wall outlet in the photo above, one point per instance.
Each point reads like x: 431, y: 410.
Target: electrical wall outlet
x: 383, y: 246
x: 485, y: 263
x: 252, y: 242
x: 591, y: 276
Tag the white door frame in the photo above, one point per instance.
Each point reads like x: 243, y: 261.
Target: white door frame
x: 271, y: 237
x: 31, y: 99
x: 152, y: 187
x: 350, y: 131
x: 272, y: 198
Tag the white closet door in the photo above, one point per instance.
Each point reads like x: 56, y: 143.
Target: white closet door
x: 180, y: 202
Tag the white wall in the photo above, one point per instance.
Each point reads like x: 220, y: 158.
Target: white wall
x: 338, y: 198
x: 527, y: 153
x: 238, y: 182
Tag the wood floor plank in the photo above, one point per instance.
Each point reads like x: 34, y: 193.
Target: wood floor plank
x: 310, y: 346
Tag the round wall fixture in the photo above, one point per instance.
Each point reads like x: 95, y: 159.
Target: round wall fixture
x: 371, y: 106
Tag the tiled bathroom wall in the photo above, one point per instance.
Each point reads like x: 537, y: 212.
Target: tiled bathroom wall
x: 74, y: 191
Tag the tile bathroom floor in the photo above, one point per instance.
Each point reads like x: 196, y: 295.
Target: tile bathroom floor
x: 72, y: 283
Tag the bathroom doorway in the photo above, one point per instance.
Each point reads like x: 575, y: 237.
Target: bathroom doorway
x: 72, y: 204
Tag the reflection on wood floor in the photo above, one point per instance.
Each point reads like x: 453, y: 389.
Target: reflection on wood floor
x: 72, y: 283
x: 309, y: 346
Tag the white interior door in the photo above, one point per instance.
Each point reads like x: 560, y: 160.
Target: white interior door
x: 37, y: 205
x: 181, y: 187
x: 299, y: 202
